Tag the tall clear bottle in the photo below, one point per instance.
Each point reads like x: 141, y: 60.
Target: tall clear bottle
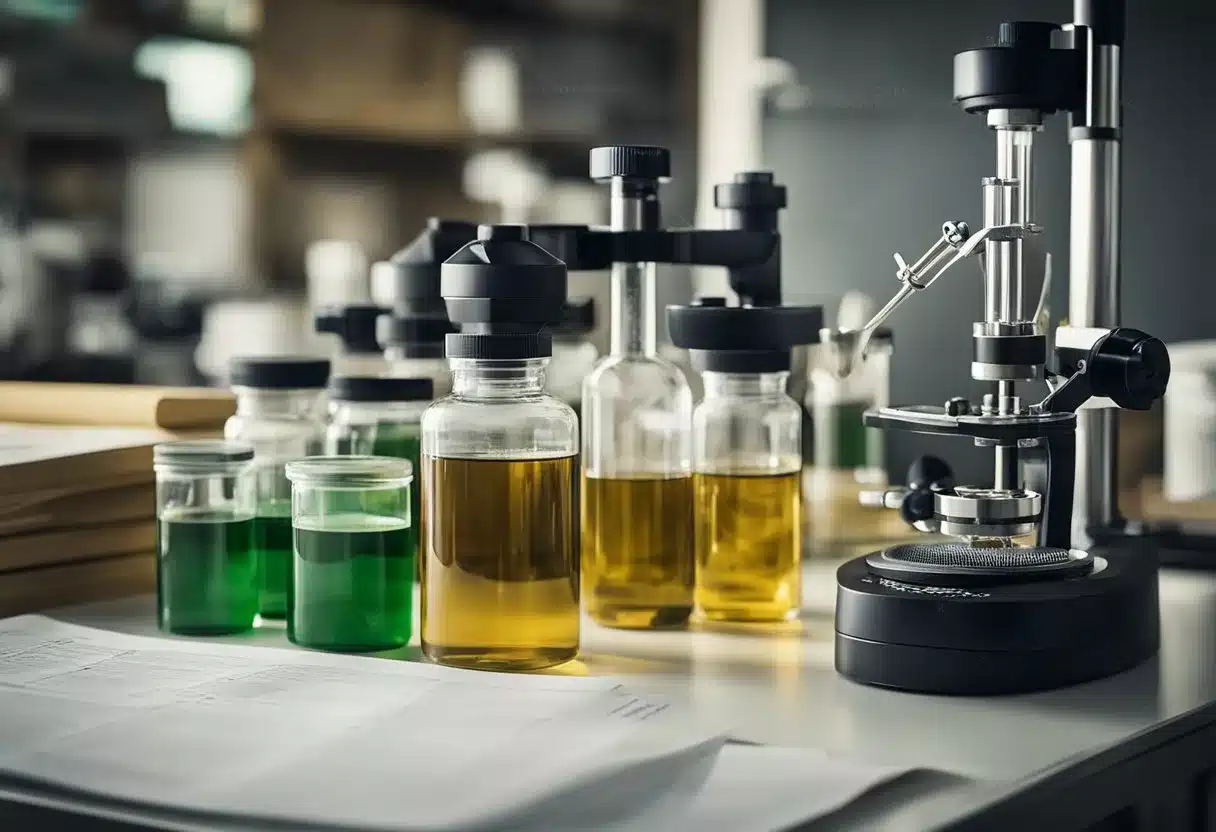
x: 636, y: 422
x: 500, y: 559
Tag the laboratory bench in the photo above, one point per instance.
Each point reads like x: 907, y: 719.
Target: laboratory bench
x: 1133, y: 752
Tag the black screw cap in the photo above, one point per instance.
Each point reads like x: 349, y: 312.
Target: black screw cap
x: 631, y: 161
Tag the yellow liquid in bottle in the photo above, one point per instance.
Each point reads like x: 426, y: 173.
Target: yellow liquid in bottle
x: 500, y: 567
x: 749, y: 544
x: 637, y: 551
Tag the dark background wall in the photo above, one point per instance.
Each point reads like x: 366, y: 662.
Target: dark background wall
x: 881, y: 156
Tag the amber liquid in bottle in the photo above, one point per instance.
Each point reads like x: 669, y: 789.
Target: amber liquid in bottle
x: 500, y: 567
x: 748, y: 541
x: 638, y: 551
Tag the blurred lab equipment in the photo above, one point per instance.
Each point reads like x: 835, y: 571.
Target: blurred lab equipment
x: 574, y: 356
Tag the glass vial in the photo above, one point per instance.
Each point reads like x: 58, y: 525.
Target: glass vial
x: 500, y: 569
x: 206, y: 564
x: 379, y: 416
x: 747, y: 436
x: 280, y: 411
x: 352, y: 586
x: 636, y: 507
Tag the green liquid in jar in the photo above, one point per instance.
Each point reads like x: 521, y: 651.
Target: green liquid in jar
x: 353, y: 583
x: 207, y: 572
x: 272, y: 544
x: 401, y: 441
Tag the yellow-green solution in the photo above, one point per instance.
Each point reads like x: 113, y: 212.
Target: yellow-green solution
x: 207, y: 572
x: 272, y: 543
x: 352, y: 587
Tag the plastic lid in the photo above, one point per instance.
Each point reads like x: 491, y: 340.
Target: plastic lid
x: 632, y: 161
x: 381, y: 389
x: 201, y: 452
x: 350, y: 471
x: 283, y: 372
x: 502, y: 290
x: 742, y: 339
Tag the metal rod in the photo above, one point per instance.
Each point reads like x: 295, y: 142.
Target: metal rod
x: 633, y: 207
x: 1094, y: 273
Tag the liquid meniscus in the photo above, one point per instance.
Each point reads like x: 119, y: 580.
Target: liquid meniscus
x: 395, y: 439
x: 748, y: 540
x: 353, y: 583
x: 207, y: 578
x: 637, y: 551
x: 272, y: 546
x: 500, y: 564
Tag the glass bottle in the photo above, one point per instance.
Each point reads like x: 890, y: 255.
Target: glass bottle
x: 747, y: 440
x: 637, y: 547
x: 280, y: 411
x: 352, y: 586
x: 206, y: 564
x: 499, y: 529
x: 574, y: 356
x: 379, y: 416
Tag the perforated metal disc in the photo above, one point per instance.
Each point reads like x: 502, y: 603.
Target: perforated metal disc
x: 957, y: 564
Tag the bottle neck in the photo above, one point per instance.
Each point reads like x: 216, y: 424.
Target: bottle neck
x: 278, y: 404
x: 481, y: 379
x: 745, y: 385
x: 633, y: 312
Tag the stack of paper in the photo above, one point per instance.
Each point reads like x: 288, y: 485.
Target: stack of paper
x: 184, y: 733
x: 77, y: 495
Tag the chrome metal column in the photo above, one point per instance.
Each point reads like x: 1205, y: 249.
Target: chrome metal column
x: 634, y: 206
x: 1094, y: 275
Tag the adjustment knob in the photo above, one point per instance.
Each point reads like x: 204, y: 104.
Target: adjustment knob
x: 957, y: 406
x: 930, y: 473
x: 630, y: 161
x: 751, y: 189
x: 1130, y: 367
x: 1026, y: 34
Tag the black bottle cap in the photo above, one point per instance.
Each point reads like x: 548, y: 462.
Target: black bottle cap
x: 355, y: 325
x: 578, y: 318
x: 284, y: 372
x: 414, y: 337
x: 631, y: 161
x: 413, y: 272
x: 742, y: 339
x: 381, y: 389
x: 502, y: 290
x: 753, y: 189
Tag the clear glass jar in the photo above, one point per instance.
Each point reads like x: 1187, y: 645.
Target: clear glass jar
x: 637, y: 546
x: 747, y: 439
x: 206, y: 567
x: 499, y: 531
x: 845, y: 457
x: 379, y: 416
x: 352, y: 586
x: 280, y: 411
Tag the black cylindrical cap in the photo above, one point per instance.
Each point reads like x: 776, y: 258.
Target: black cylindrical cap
x: 1107, y: 18
x: 395, y: 331
x: 355, y: 325
x: 753, y: 189
x: 631, y: 161
x: 1130, y: 367
x: 502, y: 286
x: 413, y: 272
x: 742, y: 339
x: 381, y: 389
x: 283, y: 372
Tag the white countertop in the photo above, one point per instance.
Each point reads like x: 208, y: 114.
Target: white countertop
x: 781, y: 688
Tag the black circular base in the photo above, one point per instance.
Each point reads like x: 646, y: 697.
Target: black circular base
x: 1001, y: 639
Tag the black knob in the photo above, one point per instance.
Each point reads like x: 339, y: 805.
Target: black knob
x: 751, y: 189
x: 916, y: 507
x: 930, y: 473
x: 631, y: 161
x: 1026, y: 34
x: 709, y: 301
x: 958, y: 406
x: 1130, y: 367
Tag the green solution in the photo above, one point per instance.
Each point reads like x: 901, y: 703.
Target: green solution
x: 394, y: 439
x: 207, y: 572
x: 272, y: 543
x: 353, y: 587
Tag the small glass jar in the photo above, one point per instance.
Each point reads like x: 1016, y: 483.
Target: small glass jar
x: 280, y: 411
x: 747, y: 446
x: 352, y: 586
x: 379, y: 416
x: 845, y: 457
x: 206, y: 565
x: 500, y: 568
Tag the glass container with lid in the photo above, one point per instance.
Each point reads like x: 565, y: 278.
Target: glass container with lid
x: 499, y: 535
x: 352, y: 585
x: 280, y: 411
x: 207, y: 576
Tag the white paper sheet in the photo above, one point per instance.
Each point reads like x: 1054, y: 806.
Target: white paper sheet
x: 174, y: 728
